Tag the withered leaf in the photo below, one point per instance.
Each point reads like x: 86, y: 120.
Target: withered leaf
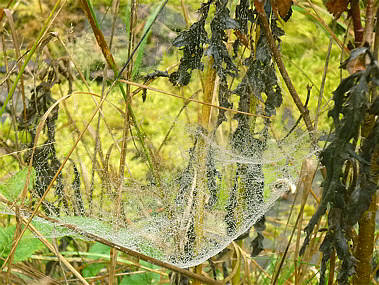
x: 336, y: 7
x: 283, y: 7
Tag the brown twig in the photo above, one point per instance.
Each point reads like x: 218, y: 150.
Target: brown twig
x: 99, y: 35
x: 189, y: 99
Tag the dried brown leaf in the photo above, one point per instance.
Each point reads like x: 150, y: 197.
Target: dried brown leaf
x: 283, y: 7
x: 336, y: 7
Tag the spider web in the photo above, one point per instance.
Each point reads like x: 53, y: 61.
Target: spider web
x: 205, y: 189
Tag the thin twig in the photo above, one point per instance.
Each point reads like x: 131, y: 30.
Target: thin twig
x: 322, y: 87
x: 175, y: 120
x: 192, y: 100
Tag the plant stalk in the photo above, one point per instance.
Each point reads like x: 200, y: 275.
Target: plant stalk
x: 367, y: 222
x: 202, y: 149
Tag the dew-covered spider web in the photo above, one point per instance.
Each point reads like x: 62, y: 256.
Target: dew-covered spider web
x: 183, y: 191
x: 209, y: 194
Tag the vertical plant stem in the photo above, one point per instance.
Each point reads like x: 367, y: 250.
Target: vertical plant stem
x: 365, y: 246
x: 322, y: 87
x: 366, y: 236
x: 332, y: 267
x: 16, y: 233
x: 236, y: 280
x: 209, y: 79
x: 96, y: 149
x: 369, y: 25
x: 112, y: 266
x: 356, y: 16
x: 309, y: 168
x: 307, y: 173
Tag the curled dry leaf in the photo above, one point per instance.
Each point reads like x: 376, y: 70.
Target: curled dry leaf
x: 283, y: 8
x: 336, y: 7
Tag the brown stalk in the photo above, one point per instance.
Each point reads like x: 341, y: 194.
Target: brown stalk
x: 236, y: 266
x: 205, y: 113
x: 96, y: 150
x: 357, y: 24
x: 54, y: 244
x: 99, y: 35
x: 369, y: 25
x: 278, y: 59
x: 118, y: 210
x: 112, y: 266
x: 16, y: 233
x: 332, y: 266
x: 185, y: 13
x: 366, y: 236
x: 313, y: 247
x: 376, y: 42
x: 31, y: 272
x: 366, y: 243
x: 115, y: 8
x: 121, y: 261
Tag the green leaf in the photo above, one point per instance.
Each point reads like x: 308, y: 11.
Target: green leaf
x: 14, y: 186
x: 99, y: 248
x: 142, y: 278
x: 141, y: 50
x: 94, y: 268
x: 25, y: 248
